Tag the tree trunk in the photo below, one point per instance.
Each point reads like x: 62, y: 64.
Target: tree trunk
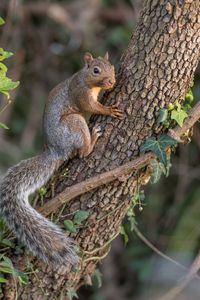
x: 156, y: 69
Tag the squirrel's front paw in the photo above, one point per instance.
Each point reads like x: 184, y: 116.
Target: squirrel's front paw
x: 116, y: 112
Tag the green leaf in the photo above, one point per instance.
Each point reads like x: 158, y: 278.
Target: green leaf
x: 2, y: 125
x: 2, y: 21
x: 148, y: 144
x: 131, y: 218
x: 8, y: 243
x: 6, y: 84
x: 97, y: 277
x: 166, y: 141
x: 21, y: 276
x: 189, y: 98
x: 6, y: 265
x: 81, y: 216
x: 162, y: 115
x: 42, y: 191
x: 69, y: 225
x: 4, y: 54
x: 179, y: 116
x: 3, y: 71
x: 8, y: 261
x: 71, y: 293
x: 3, y: 280
x: 170, y: 106
x: 158, y: 170
x: 124, y: 234
x: 151, y: 144
x: 5, y: 269
x: 23, y: 279
x: 178, y: 105
x: 158, y: 146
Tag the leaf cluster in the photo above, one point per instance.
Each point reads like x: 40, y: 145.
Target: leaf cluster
x: 6, y: 267
x: 176, y: 113
x: 6, y: 84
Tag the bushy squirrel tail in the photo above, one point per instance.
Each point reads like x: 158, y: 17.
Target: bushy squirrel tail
x: 43, y: 238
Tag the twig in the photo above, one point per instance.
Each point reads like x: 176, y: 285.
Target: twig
x: 5, y: 106
x: 94, y: 182
x: 156, y: 250
x: 175, y: 291
x: 193, y: 117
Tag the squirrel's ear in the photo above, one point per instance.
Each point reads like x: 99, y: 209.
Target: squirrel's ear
x: 88, y: 58
x: 106, y: 56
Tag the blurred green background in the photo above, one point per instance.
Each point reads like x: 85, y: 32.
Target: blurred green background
x: 49, y: 39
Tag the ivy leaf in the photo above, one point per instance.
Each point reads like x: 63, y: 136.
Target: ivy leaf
x: 81, y: 216
x: 179, y: 116
x: 70, y: 226
x: 148, y: 145
x: 178, y: 105
x: 158, y: 146
x: 162, y: 115
x: 71, y: 293
x: 158, y: 170
x: 2, y: 125
x: 151, y: 144
x: 2, y: 21
x: 97, y: 276
x: 166, y: 141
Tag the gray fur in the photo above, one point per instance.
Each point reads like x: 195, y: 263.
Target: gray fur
x: 66, y: 133
x: 42, y: 237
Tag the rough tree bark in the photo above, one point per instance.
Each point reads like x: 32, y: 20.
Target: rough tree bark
x: 157, y: 68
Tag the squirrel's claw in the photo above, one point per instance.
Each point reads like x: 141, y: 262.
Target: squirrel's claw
x: 116, y: 112
x: 96, y: 131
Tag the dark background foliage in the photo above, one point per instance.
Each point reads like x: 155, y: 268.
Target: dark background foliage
x: 49, y: 39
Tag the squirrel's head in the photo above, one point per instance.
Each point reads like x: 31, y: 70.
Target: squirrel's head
x: 99, y: 72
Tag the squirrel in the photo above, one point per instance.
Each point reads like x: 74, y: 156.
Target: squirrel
x: 66, y: 133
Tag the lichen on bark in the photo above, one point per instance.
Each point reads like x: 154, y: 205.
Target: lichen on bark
x: 157, y: 68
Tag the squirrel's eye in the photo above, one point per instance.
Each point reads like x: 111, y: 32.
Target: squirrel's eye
x: 96, y: 70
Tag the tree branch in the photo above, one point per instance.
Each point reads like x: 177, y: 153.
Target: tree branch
x: 94, y: 182
x: 175, y: 291
x: 87, y: 185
